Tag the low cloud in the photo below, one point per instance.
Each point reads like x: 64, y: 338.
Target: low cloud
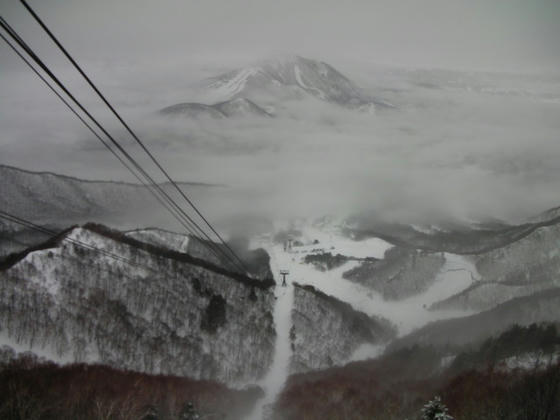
x: 447, y: 150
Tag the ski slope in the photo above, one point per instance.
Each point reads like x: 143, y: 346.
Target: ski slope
x: 274, y: 381
x: 457, y: 274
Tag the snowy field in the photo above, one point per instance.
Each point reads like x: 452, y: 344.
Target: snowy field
x: 457, y: 274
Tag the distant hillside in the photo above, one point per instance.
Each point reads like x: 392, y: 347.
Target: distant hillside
x: 49, y: 198
x: 150, y: 309
x: 239, y: 107
x: 398, y: 385
x: 454, y: 238
x: 543, y: 306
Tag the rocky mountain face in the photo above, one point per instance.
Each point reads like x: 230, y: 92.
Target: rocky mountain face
x: 293, y: 76
x: 237, y: 107
x: 150, y: 310
x: 318, y: 318
x: 401, y: 273
x: 518, y: 269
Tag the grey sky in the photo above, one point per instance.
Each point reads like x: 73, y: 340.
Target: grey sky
x: 491, y: 151
x: 510, y: 35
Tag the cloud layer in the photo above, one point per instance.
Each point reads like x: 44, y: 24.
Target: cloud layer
x: 459, y: 144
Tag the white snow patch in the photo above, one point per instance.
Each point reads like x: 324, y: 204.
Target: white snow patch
x: 456, y: 275
x: 301, y: 83
x: 407, y: 314
x: 184, y: 244
x: 108, y: 255
x: 329, y: 240
x: 237, y: 83
x: 46, y: 277
x: 299, y: 79
x: 45, y: 352
x: 367, y: 351
x: 529, y: 361
x: 274, y: 381
x: 428, y: 230
x: 446, y: 361
x: 175, y: 241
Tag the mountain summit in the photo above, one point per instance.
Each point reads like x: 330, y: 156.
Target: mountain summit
x: 255, y: 90
x: 293, y: 73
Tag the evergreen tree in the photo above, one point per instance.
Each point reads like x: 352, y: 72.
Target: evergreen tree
x: 188, y: 412
x: 150, y: 413
x: 435, y: 410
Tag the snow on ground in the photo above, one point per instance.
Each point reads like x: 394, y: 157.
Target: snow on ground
x: 184, y: 244
x: 236, y: 84
x: 273, y: 382
x: 108, y: 254
x: 46, y: 266
x: 299, y: 79
x: 330, y: 240
x: 43, y: 352
x: 457, y: 274
x: 367, y: 351
x: 407, y: 314
x: 175, y: 241
x: 46, y: 277
x: 529, y: 361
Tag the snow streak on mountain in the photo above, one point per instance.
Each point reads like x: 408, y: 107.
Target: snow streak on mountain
x: 254, y: 91
x: 294, y: 75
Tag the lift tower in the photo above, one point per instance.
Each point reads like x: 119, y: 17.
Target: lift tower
x: 284, y: 273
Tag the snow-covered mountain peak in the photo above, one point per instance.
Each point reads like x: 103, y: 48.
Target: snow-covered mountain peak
x: 286, y: 73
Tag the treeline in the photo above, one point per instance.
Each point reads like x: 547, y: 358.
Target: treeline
x: 45, y: 391
x: 177, y: 256
x: 326, y: 260
x: 397, y: 385
x: 541, y: 341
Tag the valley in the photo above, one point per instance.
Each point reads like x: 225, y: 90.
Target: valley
x: 230, y: 232
x: 155, y: 301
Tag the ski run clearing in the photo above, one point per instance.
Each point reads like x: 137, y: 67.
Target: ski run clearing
x: 408, y: 314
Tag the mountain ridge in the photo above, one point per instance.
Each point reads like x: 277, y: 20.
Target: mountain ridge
x: 102, y: 181
x: 236, y: 107
x: 315, y: 78
x: 156, y: 250
x: 62, y: 200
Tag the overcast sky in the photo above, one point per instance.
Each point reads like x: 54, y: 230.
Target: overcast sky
x: 510, y: 35
x: 448, y: 149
